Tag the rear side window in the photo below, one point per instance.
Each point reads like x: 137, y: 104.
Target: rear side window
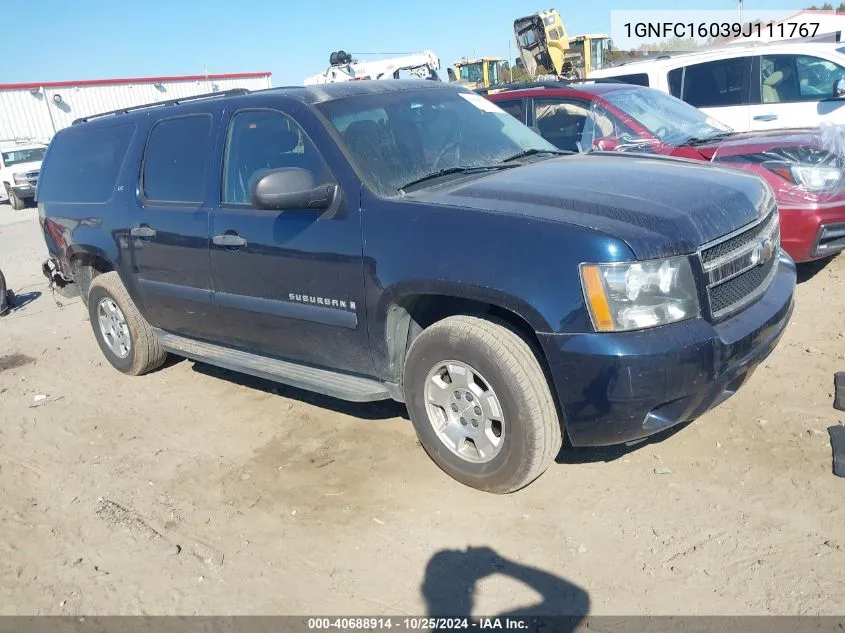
x: 83, y: 165
x: 176, y: 158
x: 712, y: 84
x: 514, y: 108
x: 637, y: 79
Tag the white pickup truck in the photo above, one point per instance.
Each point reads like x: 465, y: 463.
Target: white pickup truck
x: 20, y: 164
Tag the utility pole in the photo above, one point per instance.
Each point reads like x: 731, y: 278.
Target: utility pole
x: 740, y: 11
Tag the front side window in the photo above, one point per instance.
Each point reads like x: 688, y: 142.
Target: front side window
x: 577, y: 125
x: 261, y: 140
x: 425, y: 131
x: 176, y: 159
x: 717, y: 83
x: 790, y: 78
x: 562, y: 123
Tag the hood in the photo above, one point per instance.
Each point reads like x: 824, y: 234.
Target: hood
x: 659, y: 206
x: 760, y: 141
x: 24, y: 167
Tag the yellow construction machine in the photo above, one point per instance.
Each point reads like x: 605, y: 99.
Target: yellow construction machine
x: 480, y: 72
x: 545, y: 48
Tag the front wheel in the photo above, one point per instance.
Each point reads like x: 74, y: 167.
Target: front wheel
x: 481, y: 404
x: 17, y: 203
x: 124, y: 336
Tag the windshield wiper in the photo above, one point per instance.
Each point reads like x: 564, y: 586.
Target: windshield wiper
x: 534, y: 151
x: 698, y: 140
x: 470, y: 169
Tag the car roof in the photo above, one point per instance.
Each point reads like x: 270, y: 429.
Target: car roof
x: 717, y: 52
x: 319, y: 93
x: 312, y: 94
x: 597, y: 88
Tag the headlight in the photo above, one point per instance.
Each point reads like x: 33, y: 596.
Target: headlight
x: 637, y: 295
x: 20, y: 179
x: 810, y: 177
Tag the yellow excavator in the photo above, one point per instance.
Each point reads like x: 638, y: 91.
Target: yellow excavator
x: 480, y: 72
x: 546, y: 49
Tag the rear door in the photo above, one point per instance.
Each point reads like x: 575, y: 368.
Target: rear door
x: 795, y: 91
x: 288, y: 283
x: 168, y: 244
x: 721, y: 88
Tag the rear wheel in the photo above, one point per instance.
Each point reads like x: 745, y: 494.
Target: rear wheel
x: 124, y: 336
x: 481, y: 404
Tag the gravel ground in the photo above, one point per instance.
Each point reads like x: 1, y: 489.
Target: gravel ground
x: 196, y: 490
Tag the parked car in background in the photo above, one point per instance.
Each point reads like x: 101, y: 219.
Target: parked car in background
x: 803, y: 167
x: 20, y: 163
x: 410, y: 240
x: 753, y: 87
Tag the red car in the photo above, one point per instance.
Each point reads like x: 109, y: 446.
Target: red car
x: 804, y: 167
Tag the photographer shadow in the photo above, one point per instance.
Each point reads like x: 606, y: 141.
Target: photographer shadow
x: 450, y: 584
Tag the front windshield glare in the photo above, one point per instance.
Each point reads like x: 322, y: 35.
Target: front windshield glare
x: 394, y: 138
x: 673, y: 121
x: 18, y: 156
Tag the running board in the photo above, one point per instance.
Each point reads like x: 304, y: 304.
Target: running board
x: 329, y: 383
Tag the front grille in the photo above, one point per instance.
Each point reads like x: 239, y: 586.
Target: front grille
x: 736, y: 290
x: 32, y: 176
x: 739, y: 269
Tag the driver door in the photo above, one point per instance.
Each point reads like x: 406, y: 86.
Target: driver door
x: 287, y: 283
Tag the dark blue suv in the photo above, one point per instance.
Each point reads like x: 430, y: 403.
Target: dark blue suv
x: 410, y: 240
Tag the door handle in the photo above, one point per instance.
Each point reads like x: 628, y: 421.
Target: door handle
x: 765, y: 117
x: 142, y: 231
x: 229, y: 240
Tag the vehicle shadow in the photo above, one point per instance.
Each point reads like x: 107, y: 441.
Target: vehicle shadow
x: 808, y: 270
x: 20, y: 301
x: 449, y: 587
x: 382, y: 410
x: 590, y: 454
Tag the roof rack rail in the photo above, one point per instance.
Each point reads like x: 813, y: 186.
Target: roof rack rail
x: 169, y: 102
x: 543, y: 84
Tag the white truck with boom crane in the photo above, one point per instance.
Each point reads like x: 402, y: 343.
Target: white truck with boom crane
x: 342, y: 67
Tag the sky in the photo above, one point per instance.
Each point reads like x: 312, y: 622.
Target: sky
x: 88, y: 39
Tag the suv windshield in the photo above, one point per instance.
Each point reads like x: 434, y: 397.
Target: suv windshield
x: 397, y: 138
x: 29, y: 155
x: 673, y: 121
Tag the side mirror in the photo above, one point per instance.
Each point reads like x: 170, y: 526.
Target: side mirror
x: 607, y: 144
x: 839, y: 88
x: 290, y: 188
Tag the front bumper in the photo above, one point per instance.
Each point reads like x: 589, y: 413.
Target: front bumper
x: 24, y: 192
x: 808, y: 234
x: 616, y: 388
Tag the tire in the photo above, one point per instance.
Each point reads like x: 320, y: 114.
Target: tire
x: 530, y: 434
x: 143, y: 352
x: 17, y: 203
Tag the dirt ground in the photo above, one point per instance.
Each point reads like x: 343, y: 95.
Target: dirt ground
x: 196, y: 490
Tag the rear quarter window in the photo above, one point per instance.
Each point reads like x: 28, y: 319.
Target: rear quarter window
x: 82, y: 165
